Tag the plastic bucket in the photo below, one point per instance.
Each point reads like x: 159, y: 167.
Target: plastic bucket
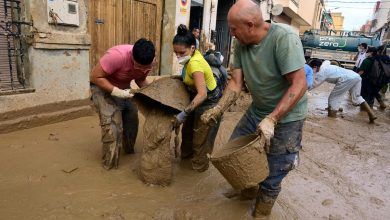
x: 242, y: 161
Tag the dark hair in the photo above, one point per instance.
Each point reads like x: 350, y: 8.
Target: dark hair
x: 184, y: 37
x: 315, y: 63
x: 144, y: 51
x: 382, y: 50
x: 372, y: 50
x: 364, y: 45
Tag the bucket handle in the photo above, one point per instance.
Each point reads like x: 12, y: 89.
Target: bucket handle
x: 260, y: 146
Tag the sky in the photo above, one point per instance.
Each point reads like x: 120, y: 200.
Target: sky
x: 355, y: 12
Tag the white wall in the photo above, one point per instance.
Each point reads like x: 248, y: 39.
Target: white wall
x: 381, y: 15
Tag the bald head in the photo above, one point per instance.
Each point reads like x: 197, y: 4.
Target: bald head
x: 246, y: 22
x: 246, y: 11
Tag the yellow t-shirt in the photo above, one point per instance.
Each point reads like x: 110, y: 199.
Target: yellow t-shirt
x: 198, y: 64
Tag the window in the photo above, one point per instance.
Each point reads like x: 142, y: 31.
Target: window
x: 11, y: 49
x: 72, y: 9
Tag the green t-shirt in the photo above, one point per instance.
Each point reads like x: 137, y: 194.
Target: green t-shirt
x: 264, y: 66
x: 366, y: 66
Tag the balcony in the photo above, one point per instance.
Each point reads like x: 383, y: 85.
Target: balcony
x: 291, y: 9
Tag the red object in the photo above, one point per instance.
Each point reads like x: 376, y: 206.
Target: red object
x: 377, y: 6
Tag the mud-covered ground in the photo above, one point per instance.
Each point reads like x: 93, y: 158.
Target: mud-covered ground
x: 54, y: 172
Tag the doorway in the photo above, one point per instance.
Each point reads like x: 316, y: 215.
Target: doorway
x: 116, y: 22
x: 223, y: 35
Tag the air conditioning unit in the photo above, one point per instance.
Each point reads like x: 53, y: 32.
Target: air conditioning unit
x: 63, y: 12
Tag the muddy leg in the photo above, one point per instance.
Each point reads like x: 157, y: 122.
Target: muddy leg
x: 130, y: 128
x: 111, y: 125
x: 187, y: 133
x: 203, y: 143
x: 200, y: 162
x: 112, y: 141
x: 156, y: 158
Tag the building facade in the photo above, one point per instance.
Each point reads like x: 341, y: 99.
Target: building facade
x: 49, y: 47
x: 381, y: 21
x: 338, y: 21
x: 45, y: 76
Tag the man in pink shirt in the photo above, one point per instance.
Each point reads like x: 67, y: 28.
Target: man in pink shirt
x: 111, y: 95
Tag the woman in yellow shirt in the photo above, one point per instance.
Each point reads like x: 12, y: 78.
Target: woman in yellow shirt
x: 205, y: 90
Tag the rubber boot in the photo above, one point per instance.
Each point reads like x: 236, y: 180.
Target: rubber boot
x: 370, y: 112
x: 249, y: 193
x: 263, y: 206
x: 340, y: 109
x: 382, y: 105
x: 332, y: 113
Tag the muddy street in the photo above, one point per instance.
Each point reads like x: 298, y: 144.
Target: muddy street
x: 54, y: 172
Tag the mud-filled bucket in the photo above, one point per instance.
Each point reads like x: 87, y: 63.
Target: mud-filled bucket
x: 242, y: 161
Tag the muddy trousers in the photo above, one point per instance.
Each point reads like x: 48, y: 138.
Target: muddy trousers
x: 119, y: 125
x: 353, y: 85
x: 198, y: 138
x: 283, y: 154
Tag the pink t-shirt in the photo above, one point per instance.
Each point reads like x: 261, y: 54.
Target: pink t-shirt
x: 118, y: 63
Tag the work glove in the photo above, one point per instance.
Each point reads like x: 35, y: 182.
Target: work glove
x: 179, y: 119
x: 266, y: 130
x: 211, y: 115
x: 122, y: 93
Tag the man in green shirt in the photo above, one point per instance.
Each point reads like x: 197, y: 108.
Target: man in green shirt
x: 270, y: 58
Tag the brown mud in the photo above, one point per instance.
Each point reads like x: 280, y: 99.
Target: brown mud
x: 167, y: 91
x: 156, y: 158
x: 157, y: 102
x: 242, y: 161
x: 344, y: 173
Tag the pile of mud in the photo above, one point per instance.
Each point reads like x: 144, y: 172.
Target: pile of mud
x: 159, y: 102
x: 242, y: 104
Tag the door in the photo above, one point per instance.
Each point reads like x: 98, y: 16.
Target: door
x: 223, y: 35
x: 114, y: 22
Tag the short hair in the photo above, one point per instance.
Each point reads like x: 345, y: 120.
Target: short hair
x: 144, y: 51
x: 364, y: 45
x: 372, y: 50
x: 184, y: 37
x: 315, y: 63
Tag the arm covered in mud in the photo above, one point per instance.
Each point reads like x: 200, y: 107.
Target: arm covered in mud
x: 230, y: 95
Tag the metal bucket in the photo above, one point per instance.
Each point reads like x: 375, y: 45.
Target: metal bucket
x: 242, y: 161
